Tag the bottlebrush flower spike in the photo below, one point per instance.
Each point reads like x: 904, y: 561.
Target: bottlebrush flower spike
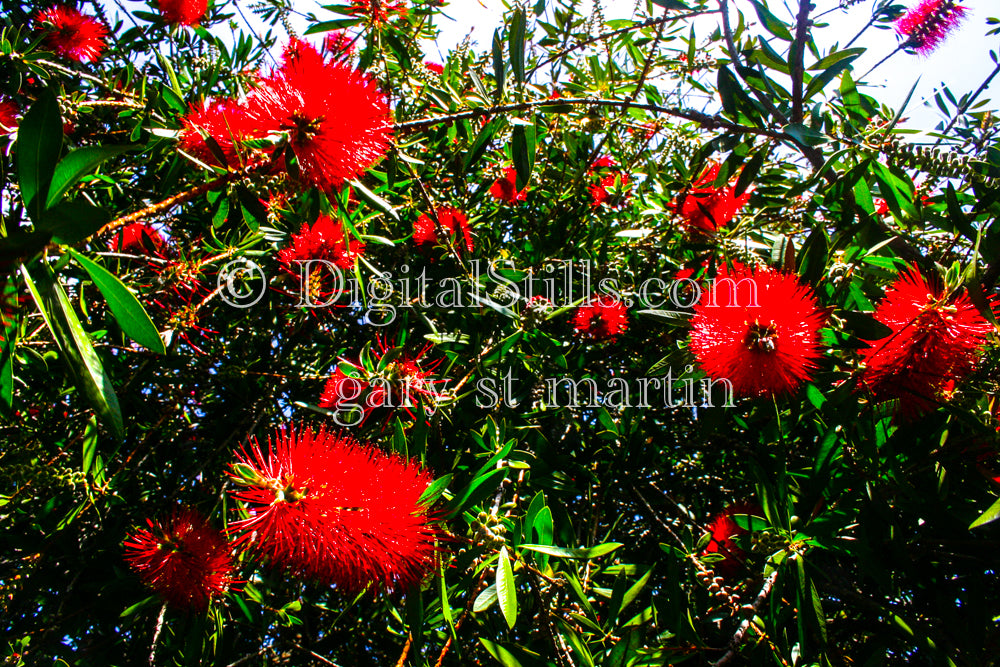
x: 761, y: 332
x: 706, y: 208
x: 326, y: 507
x: 602, y: 318
x: 72, y: 34
x: 337, y: 120
x: 927, y: 25
x: 183, y: 559
x: 725, y: 533
x: 505, y: 187
x: 394, y: 380
x: 936, y: 339
x: 8, y: 116
x: 324, y: 241
x: 182, y: 12
x: 454, y: 225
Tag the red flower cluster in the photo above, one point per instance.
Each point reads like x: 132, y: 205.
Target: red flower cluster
x: 8, y: 116
x: 928, y: 24
x: 329, y: 508
x: 608, y: 176
x: 138, y: 238
x: 182, y: 12
x: 453, y: 224
x: 437, y: 68
x: 396, y: 381
x: 724, y: 529
x: 935, y: 340
x: 183, y: 559
x: 505, y: 188
x: 706, y: 208
x: 601, y: 318
x: 335, y: 118
x: 764, y: 338
x: 72, y: 34
x: 324, y: 240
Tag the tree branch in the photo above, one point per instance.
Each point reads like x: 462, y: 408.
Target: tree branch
x: 797, y: 56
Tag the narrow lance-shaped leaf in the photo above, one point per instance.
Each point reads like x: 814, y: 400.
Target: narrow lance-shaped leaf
x: 76, y: 349
x: 129, y: 313
x: 39, y: 140
x: 78, y: 164
x: 506, y: 592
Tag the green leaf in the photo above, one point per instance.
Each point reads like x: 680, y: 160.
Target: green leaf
x: 434, y: 491
x: 805, y: 135
x: 78, y: 164
x: 375, y: 200
x: 76, y: 349
x: 71, y: 222
x: 482, y: 141
x: 129, y: 313
x: 670, y: 4
x: 771, y: 22
x: 502, y: 655
x: 989, y: 516
x: 729, y: 90
x: 479, y: 487
x: 583, y: 553
x: 39, y: 141
x: 485, y: 600
x: 499, y: 71
x: 89, y: 445
x: 516, y: 43
x: 506, y: 592
x: 523, y: 147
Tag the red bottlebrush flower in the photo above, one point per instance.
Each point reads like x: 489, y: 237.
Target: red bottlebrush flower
x: 338, y: 45
x: 378, y: 11
x: 183, y: 559
x: 505, y: 188
x: 437, y: 68
x: 8, y: 116
x: 138, y: 238
x: 324, y: 240
x: 706, y: 208
x: 453, y: 223
x: 881, y: 207
x: 601, y: 318
x: 72, y: 34
x: 226, y: 122
x: 764, y: 339
x: 609, y: 176
x: 393, y: 379
x: 182, y: 12
x: 326, y: 507
x: 725, y: 533
x: 337, y: 120
x: 928, y: 24
x: 936, y: 338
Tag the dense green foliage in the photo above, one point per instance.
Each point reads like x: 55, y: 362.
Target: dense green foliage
x: 117, y: 409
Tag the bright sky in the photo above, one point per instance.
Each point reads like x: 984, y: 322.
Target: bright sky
x: 963, y: 61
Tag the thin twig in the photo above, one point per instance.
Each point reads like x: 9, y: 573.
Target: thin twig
x: 797, y: 56
x: 156, y: 634
x: 741, y: 631
x: 406, y: 650
x: 968, y: 103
